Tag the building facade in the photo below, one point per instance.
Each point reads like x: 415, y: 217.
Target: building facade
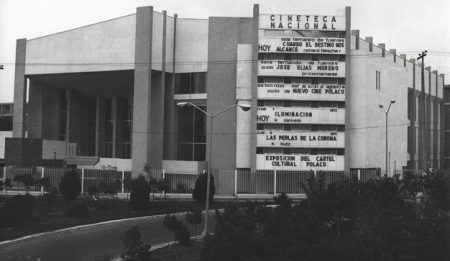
x: 111, y: 89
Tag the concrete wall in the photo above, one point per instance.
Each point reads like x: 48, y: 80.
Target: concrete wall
x: 3, y: 136
x: 157, y: 41
x: 243, y: 92
x: 367, y: 125
x: 53, y: 149
x: 366, y: 147
x: 224, y: 36
x: 104, y: 46
x: 23, y: 152
x: 35, y: 110
x: 192, y: 45
x: 19, y: 89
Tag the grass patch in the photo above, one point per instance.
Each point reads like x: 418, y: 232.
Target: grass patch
x: 51, y: 215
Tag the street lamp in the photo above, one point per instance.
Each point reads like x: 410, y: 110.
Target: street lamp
x: 386, y: 113
x: 244, y: 107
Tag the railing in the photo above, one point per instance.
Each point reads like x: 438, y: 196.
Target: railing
x: 227, y: 182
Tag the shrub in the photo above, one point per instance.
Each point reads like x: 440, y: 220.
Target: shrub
x: 5, y: 185
x: 181, y: 233
x: 70, y: 185
x: 114, y: 187
x: 135, y: 249
x: 181, y: 188
x: 26, y: 180
x: 194, y: 218
x: 93, y: 190
x: 44, y: 182
x: 77, y: 209
x: 102, y: 186
x: 199, y: 193
x: 17, y: 209
x: 140, y: 193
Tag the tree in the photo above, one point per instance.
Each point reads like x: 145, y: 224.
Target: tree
x: 181, y: 233
x: 140, y: 193
x: 346, y: 220
x: 70, y: 185
x: 199, y: 193
x: 194, y: 219
x: 135, y: 249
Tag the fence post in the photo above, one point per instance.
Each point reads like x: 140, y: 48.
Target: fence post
x: 123, y: 181
x: 163, y: 173
x: 4, y: 179
x: 359, y: 174
x: 82, y: 181
x: 235, y: 182
x: 315, y: 174
x: 274, y: 182
x: 42, y: 179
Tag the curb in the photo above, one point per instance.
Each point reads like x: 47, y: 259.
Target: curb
x: 70, y: 229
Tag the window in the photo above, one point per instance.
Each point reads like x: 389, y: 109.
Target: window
x: 128, y: 121
x: 62, y: 115
x: 186, y: 83
x: 378, y: 79
x: 92, y: 107
x: 191, y: 134
x: 108, y: 129
x: 6, y: 123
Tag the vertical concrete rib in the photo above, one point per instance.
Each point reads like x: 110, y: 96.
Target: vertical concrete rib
x: 171, y: 124
x: 348, y: 88
x: 254, y: 87
x: 68, y: 110
x: 19, y: 90
x: 142, y: 89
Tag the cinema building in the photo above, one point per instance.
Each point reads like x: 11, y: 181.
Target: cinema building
x: 123, y: 91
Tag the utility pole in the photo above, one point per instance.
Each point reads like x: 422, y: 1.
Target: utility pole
x: 388, y: 154
x: 423, y: 154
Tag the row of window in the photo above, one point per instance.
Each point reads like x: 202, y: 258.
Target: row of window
x: 186, y: 83
x: 303, y: 151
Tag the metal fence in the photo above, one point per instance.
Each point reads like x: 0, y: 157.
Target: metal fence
x: 227, y: 182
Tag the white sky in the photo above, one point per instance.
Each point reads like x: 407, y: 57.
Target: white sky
x: 406, y: 25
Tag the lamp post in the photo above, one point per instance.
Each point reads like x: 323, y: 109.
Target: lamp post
x: 387, y: 153
x: 244, y: 107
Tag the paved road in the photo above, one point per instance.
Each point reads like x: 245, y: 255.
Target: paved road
x: 86, y: 243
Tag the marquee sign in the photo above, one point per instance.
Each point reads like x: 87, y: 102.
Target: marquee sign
x: 302, y: 22
x: 296, y: 91
x: 300, y: 115
x: 292, y: 139
x: 301, y: 45
x: 299, y: 162
x: 301, y: 68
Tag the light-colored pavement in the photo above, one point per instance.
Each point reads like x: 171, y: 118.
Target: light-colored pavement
x: 87, y: 242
